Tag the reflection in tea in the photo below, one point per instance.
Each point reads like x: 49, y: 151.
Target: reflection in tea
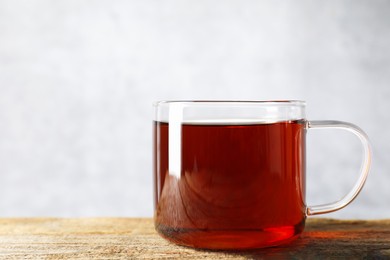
x: 240, y: 185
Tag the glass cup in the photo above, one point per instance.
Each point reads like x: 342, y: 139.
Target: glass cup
x: 231, y: 174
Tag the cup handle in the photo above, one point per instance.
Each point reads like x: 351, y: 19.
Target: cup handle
x: 365, y: 167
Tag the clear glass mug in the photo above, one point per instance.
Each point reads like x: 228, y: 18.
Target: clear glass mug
x: 231, y: 174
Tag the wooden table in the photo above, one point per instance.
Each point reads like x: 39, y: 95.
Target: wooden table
x: 130, y: 238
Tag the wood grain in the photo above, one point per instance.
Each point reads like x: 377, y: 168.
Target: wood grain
x: 130, y: 238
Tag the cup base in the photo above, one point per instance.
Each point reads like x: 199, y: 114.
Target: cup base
x: 231, y: 239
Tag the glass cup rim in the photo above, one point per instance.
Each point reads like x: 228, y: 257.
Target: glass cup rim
x: 300, y: 103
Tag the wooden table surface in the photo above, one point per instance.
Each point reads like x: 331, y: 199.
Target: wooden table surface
x: 135, y: 238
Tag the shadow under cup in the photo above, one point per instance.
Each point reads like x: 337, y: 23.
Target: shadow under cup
x: 231, y: 175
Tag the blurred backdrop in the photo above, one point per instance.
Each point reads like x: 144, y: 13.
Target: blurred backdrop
x: 78, y: 78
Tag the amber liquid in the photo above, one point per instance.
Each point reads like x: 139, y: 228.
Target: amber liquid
x: 240, y: 186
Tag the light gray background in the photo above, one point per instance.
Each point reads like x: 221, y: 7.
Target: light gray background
x: 77, y: 80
